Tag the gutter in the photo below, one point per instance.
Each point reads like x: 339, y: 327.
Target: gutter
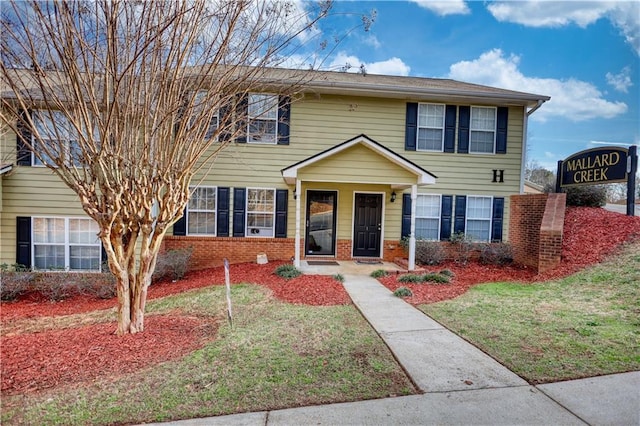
x: 5, y: 168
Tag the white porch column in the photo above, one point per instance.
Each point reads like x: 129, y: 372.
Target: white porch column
x: 412, y: 235
x: 296, y: 261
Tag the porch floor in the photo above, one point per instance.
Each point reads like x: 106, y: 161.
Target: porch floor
x: 350, y: 267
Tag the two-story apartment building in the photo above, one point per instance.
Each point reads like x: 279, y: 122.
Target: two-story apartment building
x: 345, y: 172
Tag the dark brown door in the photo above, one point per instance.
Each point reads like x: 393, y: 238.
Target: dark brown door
x: 367, y: 225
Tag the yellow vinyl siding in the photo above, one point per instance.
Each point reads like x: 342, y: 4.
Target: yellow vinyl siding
x: 357, y: 164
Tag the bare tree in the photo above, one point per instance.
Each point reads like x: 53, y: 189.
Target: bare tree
x: 128, y: 101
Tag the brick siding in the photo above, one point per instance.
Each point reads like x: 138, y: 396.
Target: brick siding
x: 535, y: 229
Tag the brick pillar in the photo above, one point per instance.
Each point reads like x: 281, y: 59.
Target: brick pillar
x: 550, y: 248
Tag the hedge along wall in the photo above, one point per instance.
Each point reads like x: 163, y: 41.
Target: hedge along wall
x: 535, y: 229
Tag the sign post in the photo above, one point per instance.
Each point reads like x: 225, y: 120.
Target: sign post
x: 598, y: 166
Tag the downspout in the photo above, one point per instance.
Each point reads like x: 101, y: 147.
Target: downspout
x: 525, y: 130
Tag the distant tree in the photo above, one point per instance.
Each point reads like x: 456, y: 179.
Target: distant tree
x: 134, y: 98
x: 537, y: 174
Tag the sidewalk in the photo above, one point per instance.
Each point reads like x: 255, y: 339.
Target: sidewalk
x: 462, y: 384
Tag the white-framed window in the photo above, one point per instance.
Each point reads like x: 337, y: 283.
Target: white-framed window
x: 478, y: 217
x: 65, y: 243
x: 201, y: 211
x: 263, y: 118
x: 260, y: 212
x: 428, y: 216
x: 57, y: 131
x: 482, y: 131
x: 430, y: 127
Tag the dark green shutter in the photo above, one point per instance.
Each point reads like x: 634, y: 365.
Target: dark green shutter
x: 501, y: 130
x: 222, y: 219
x: 497, y: 219
x: 284, y: 118
x: 450, y: 117
x: 22, y: 149
x: 180, y: 227
x: 242, y: 113
x: 445, y: 217
x: 464, y: 113
x: 411, y: 128
x: 461, y: 212
x: 406, y: 216
x: 239, y: 202
x: 282, y: 199
x: 23, y: 241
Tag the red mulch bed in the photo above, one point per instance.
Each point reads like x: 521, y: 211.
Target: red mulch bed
x: 37, y: 361
x: 590, y: 235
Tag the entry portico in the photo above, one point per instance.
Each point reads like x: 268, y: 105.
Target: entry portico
x: 349, y: 192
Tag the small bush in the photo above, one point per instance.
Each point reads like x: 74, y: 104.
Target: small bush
x: 447, y: 272
x: 379, y: 273
x: 410, y: 278
x: 429, y: 252
x: 403, y: 292
x: 436, y: 278
x: 287, y: 271
x: 496, y: 254
x: 338, y: 277
x: 172, y: 264
x: 463, y: 246
x: 15, y: 284
x: 587, y: 196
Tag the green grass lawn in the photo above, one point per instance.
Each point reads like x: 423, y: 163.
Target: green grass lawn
x: 585, y: 325
x: 276, y: 355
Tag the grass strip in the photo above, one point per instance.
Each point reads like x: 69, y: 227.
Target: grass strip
x: 584, y: 325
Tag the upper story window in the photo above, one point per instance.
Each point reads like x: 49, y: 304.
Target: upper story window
x: 430, y: 127
x: 482, y: 130
x: 201, y: 211
x: 478, y: 216
x: 263, y: 118
x: 61, y: 243
x: 199, y: 101
x: 428, y: 216
x: 58, y: 135
x: 260, y: 212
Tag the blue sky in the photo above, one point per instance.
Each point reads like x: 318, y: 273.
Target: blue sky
x: 585, y: 55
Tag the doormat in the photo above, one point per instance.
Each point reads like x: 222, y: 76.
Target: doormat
x: 322, y: 263
x: 368, y: 262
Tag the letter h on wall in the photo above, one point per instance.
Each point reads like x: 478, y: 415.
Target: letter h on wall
x: 498, y: 176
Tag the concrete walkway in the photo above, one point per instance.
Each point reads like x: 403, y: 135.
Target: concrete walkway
x: 462, y: 384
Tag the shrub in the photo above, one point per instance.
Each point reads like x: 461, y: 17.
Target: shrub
x: 172, y: 264
x: 429, y: 252
x: 447, y: 272
x: 379, y: 273
x: 402, y: 292
x: 496, y: 254
x: 287, y: 271
x: 463, y: 245
x: 436, y: 278
x: 587, y: 196
x: 15, y: 284
x: 410, y: 278
x: 338, y: 277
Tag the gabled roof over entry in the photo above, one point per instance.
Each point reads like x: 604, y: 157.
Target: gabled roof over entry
x: 422, y: 176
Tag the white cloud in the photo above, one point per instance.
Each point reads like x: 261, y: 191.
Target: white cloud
x: 572, y: 99
x: 621, y: 81
x: 372, y: 41
x: 393, y: 66
x: 443, y: 8
x: 625, y: 15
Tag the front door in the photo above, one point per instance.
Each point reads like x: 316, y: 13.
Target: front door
x: 367, y: 225
x: 321, y: 223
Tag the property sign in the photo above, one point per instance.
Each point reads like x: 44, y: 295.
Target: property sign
x: 601, y: 165
x: 594, y: 166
